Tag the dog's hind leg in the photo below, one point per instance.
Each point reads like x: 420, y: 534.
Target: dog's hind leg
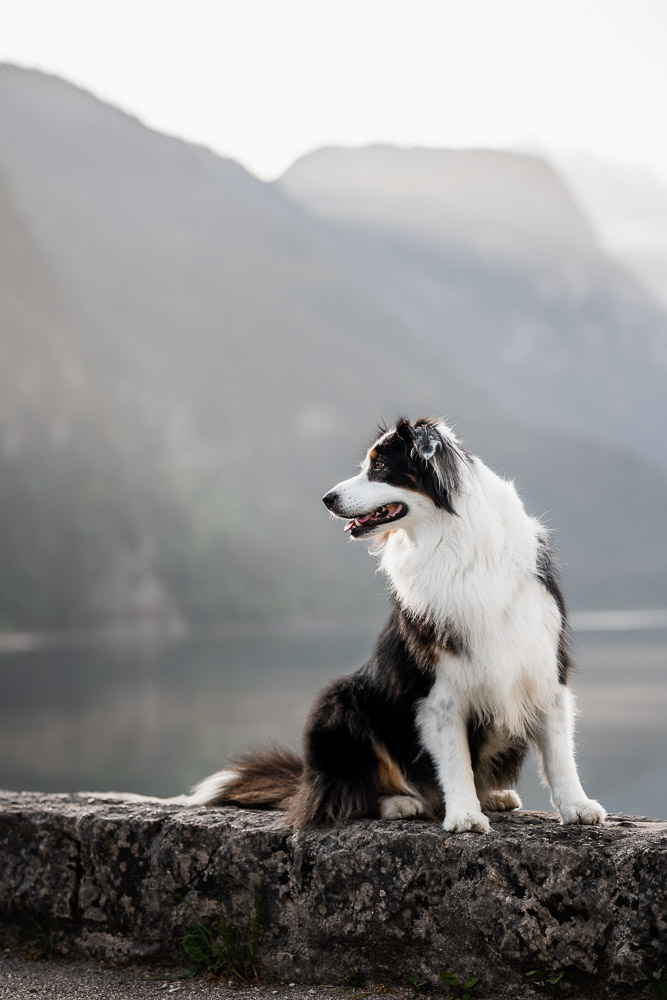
x: 401, y: 807
x: 340, y: 780
x: 497, y: 759
x: 499, y: 800
x: 326, y: 797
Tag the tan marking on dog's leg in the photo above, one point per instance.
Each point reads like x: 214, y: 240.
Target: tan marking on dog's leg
x: 391, y: 779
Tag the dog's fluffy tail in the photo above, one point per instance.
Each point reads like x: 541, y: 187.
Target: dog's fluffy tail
x: 259, y: 779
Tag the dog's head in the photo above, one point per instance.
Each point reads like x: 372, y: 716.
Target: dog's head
x: 409, y: 471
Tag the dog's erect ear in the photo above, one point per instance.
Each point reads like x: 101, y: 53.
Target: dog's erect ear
x: 439, y: 463
x: 423, y: 437
x: 405, y: 431
x: 427, y: 440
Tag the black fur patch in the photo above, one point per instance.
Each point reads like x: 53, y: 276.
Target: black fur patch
x: 373, y: 707
x: 425, y: 640
x: 418, y: 457
x: 500, y: 768
x: 547, y: 573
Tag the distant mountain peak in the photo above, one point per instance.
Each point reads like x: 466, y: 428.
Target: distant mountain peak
x: 479, y: 197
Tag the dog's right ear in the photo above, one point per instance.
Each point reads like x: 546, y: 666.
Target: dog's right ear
x: 427, y: 440
x: 437, y: 460
x: 422, y: 438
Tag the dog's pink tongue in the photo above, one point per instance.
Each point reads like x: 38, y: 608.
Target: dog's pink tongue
x: 356, y: 521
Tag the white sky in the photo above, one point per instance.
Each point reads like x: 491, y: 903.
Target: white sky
x: 267, y: 80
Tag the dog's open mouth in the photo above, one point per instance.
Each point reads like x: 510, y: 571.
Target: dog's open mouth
x: 364, y: 523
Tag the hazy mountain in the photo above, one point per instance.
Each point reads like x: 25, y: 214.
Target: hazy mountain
x: 499, y: 204
x: 208, y: 366
x: 235, y: 354
x: 488, y: 259
x: 72, y: 527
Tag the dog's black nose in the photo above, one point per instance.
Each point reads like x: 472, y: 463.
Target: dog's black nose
x: 329, y: 500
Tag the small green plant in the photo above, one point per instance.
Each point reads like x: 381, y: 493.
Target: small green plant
x: 415, y: 984
x: 351, y: 978
x: 45, y: 942
x: 462, y: 989
x: 226, y: 945
x: 550, y: 980
x: 659, y: 988
x: 38, y: 935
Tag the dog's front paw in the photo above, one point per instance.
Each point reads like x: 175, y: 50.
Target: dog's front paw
x: 586, y: 811
x: 463, y: 820
x: 501, y: 800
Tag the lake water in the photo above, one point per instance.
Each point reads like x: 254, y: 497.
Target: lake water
x: 155, y: 717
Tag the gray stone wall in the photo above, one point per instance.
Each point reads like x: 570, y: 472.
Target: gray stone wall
x: 387, y: 898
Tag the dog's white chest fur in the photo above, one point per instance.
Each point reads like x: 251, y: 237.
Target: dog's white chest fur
x: 475, y: 574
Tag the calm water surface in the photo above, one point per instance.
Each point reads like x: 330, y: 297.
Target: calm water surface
x: 156, y: 717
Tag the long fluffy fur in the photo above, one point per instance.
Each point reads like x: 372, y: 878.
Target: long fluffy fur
x: 258, y: 779
x: 470, y: 670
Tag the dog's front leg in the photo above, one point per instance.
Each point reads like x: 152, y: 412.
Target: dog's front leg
x: 556, y: 744
x: 444, y: 734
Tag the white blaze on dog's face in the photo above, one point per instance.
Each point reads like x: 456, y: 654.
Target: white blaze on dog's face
x: 407, y: 471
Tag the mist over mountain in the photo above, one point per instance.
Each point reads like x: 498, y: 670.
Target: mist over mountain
x: 191, y: 358
x: 70, y: 516
x: 628, y: 207
x: 489, y: 260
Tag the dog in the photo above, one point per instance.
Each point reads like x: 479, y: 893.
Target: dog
x: 470, y: 670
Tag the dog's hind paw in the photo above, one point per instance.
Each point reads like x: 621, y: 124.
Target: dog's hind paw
x: 400, y: 807
x: 586, y: 811
x: 501, y: 800
x: 466, y: 820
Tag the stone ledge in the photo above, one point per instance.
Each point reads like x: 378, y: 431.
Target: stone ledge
x: 390, y: 899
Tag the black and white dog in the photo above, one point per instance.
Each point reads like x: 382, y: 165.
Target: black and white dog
x: 470, y: 670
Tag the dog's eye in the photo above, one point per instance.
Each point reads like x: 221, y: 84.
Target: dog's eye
x: 377, y: 465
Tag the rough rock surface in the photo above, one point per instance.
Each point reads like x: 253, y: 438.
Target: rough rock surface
x: 387, y: 898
